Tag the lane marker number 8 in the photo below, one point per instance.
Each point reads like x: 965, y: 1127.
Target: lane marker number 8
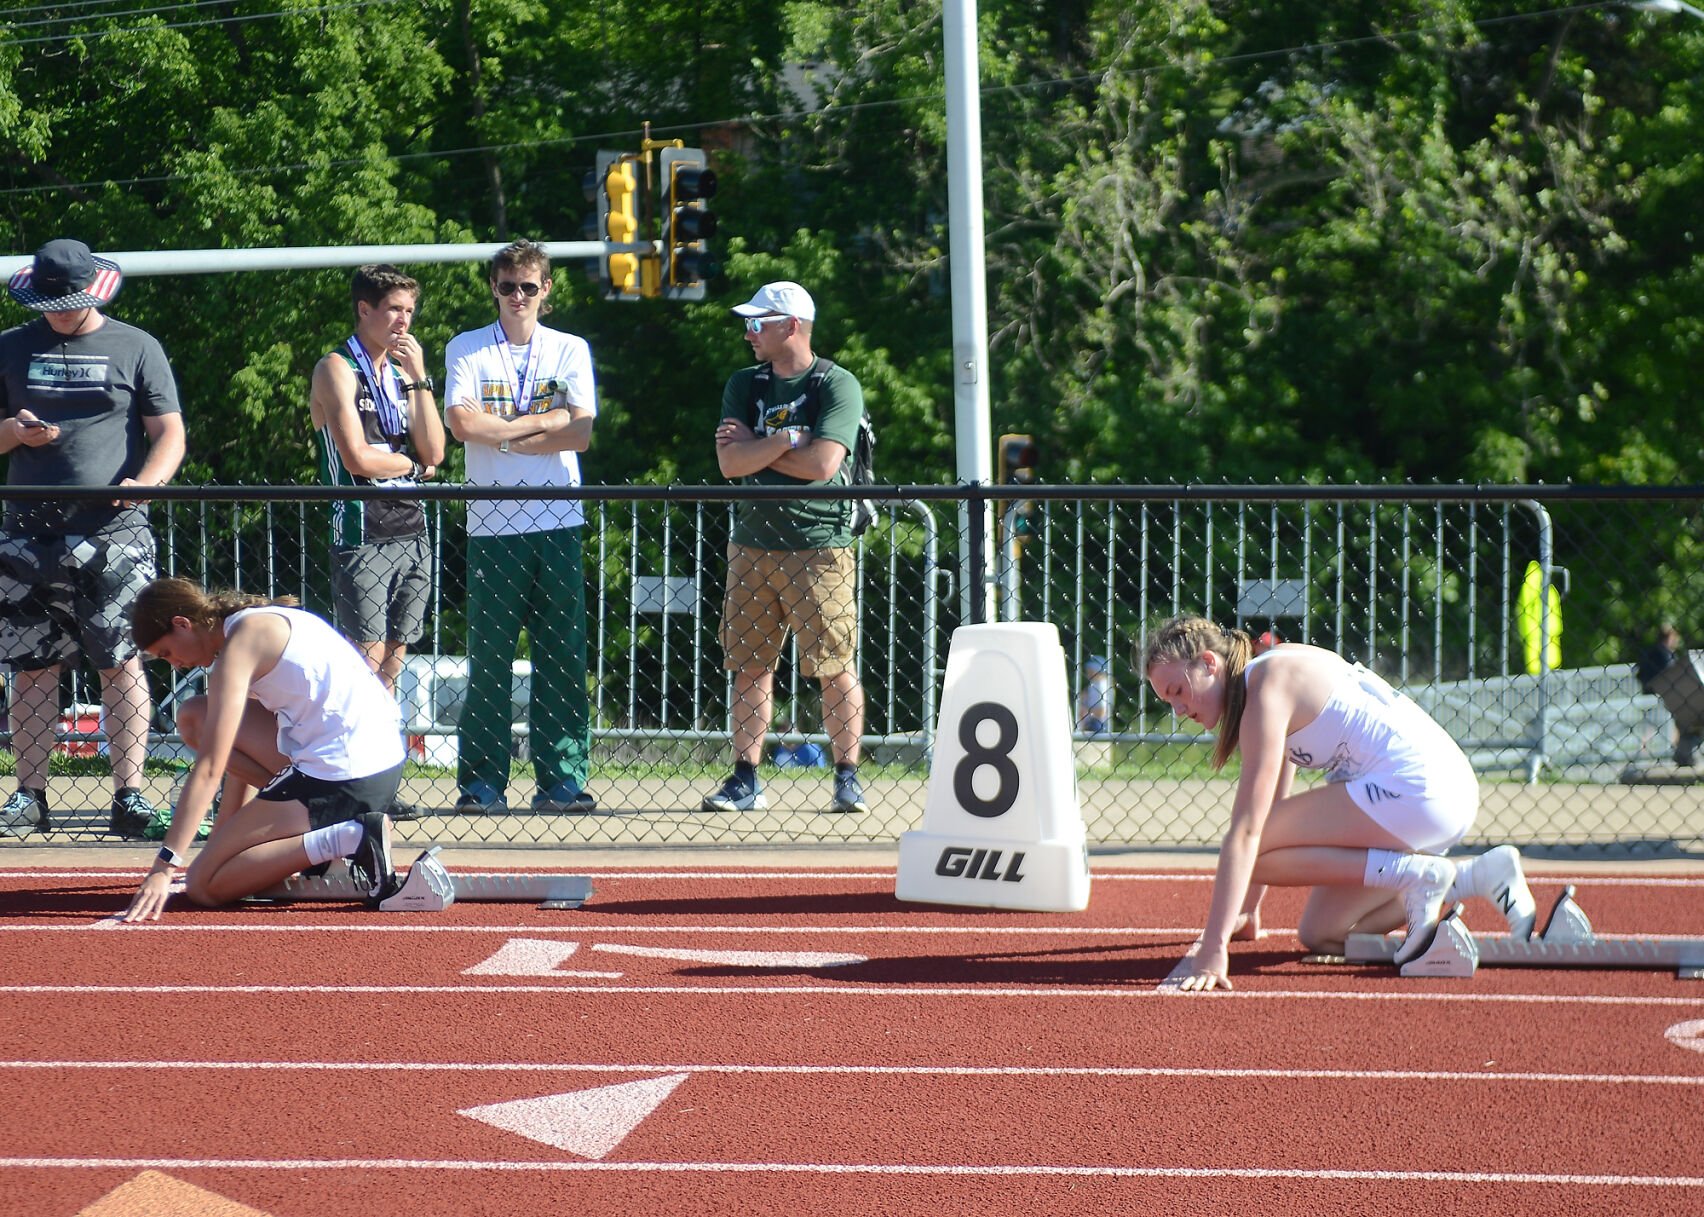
x: 997, y: 757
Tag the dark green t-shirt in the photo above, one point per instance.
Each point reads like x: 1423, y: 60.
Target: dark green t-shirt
x: 797, y: 524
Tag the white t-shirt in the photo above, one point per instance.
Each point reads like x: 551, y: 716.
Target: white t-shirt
x: 336, y: 719
x: 481, y: 366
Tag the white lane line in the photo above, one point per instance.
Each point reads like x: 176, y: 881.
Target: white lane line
x: 581, y: 929
x: 1108, y: 876
x: 953, y: 1071
x: 848, y: 1168
x: 828, y: 989
x: 1280, y: 934
x: 873, y: 875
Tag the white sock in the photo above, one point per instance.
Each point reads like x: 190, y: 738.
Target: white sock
x: 1387, y: 868
x: 1462, y: 888
x: 1381, y: 867
x: 337, y: 841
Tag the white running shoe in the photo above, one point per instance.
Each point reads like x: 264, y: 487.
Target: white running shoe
x: 1423, y: 892
x: 1496, y: 876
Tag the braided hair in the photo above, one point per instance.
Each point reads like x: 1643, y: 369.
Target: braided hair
x: 1183, y: 639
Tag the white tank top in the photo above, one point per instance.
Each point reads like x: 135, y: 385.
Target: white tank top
x: 1363, y: 723
x: 336, y: 720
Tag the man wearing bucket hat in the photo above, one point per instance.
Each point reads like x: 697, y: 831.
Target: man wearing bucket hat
x: 85, y: 400
x: 791, y: 420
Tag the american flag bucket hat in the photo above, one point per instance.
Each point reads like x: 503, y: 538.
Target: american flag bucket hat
x: 66, y: 276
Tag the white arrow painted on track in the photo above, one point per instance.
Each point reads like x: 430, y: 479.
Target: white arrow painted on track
x: 739, y: 959
x: 530, y: 957
x: 1687, y: 1035
x: 586, y: 1122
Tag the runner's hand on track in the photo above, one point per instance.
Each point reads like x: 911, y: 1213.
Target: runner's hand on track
x: 149, y: 899
x: 1202, y: 971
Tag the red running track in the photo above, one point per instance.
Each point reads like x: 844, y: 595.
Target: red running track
x: 795, y: 1042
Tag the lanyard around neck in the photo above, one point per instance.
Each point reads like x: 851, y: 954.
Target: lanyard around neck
x: 386, y: 400
x: 525, y: 374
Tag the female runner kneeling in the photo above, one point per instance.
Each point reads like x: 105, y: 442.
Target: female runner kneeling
x: 292, y: 709
x: 1398, y: 793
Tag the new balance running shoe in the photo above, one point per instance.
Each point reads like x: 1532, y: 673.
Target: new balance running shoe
x: 1423, y: 892
x: 1496, y: 875
x: 737, y: 794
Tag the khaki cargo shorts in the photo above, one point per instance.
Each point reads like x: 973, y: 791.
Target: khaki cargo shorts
x: 808, y: 592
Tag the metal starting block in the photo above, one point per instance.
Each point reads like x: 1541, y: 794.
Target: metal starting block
x: 1568, y: 941
x: 1452, y: 951
x: 430, y: 888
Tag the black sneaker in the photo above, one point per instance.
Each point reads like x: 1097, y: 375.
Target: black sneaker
x: 370, y: 866
x: 402, y: 812
x: 131, y: 815
x: 23, y: 814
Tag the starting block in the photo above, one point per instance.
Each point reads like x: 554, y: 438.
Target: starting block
x: 428, y: 887
x: 1568, y: 941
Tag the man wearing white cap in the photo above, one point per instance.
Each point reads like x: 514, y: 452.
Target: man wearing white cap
x: 84, y: 401
x: 791, y: 420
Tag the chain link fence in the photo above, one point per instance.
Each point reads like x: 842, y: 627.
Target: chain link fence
x: 1516, y: 616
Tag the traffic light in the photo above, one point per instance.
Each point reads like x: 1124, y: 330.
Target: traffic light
x: 686, y: 183
x: 1017, y: 458
x: 617, y: 194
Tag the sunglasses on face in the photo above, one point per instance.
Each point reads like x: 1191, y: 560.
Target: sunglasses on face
x: 754, y: 325
x: 507, y: 288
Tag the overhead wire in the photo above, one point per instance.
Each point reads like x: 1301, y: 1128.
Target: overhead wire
x: 795, y: 115
x: 86, y: 35
x: 118, y: 16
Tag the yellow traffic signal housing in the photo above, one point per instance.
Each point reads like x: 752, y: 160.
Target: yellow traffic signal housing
x: 621, y: 226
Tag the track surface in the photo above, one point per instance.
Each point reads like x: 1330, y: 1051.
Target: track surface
x: 768, y: 1041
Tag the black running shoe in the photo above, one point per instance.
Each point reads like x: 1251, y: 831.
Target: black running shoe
x: 401, y: 811
x: 131, y: 815
x: 370, y: 866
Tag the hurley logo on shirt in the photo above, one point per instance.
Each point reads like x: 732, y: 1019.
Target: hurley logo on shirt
x: 58, y: 373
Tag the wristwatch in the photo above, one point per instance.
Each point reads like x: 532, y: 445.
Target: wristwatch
x: 503, y: 447
x: 419, y: 384
x: 170, y: 856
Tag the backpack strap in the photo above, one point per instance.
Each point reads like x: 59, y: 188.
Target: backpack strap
x: 760, y: 393
x: 813, y: 388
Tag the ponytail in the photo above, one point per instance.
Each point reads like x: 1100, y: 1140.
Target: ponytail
x: 1188, y: 638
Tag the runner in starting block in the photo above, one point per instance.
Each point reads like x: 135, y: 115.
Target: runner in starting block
x: 291, y: 709
x: 1398, y: 793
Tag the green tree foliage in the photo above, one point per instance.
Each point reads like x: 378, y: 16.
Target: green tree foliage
x: 1280, y: 241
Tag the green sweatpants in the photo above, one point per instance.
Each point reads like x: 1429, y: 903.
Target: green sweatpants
x: 533, y: 579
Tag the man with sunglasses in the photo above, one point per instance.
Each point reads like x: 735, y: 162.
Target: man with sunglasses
x: 522, y: 397
x: 791, y: 420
